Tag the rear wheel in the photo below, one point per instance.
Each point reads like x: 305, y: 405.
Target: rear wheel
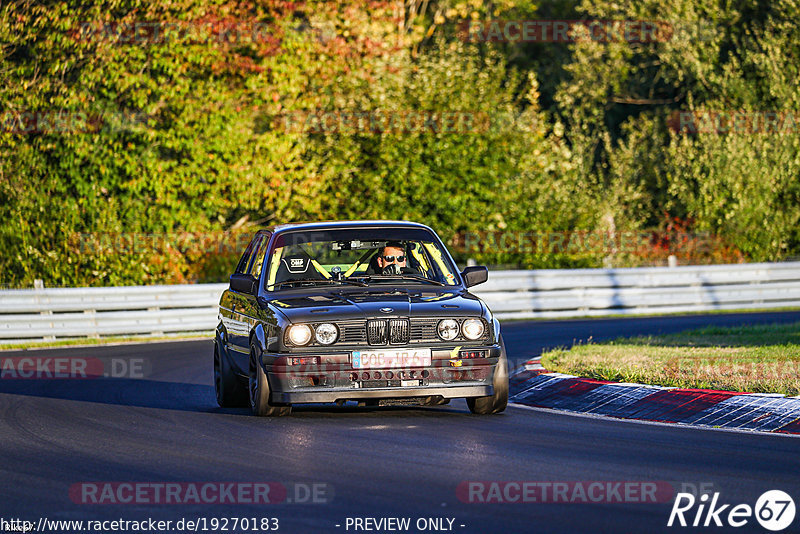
x: 260, y: 402
x: 497, y: 402
x: 230, y: 391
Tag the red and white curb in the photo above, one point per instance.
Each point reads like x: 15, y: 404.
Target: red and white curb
x: 533, y: 386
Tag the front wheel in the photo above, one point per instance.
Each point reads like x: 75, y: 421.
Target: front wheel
x: 497, y: 402
x: 260, y: 403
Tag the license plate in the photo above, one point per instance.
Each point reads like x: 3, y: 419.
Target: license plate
x: 391, y: 359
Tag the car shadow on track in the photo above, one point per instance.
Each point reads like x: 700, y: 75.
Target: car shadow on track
x: 118, y: 391
x: 351, y: 410
x: 190, y: 397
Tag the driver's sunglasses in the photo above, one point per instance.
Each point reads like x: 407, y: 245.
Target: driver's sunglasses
x: 390, y: 259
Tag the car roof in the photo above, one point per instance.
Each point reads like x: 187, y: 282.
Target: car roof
x: 329, y: 225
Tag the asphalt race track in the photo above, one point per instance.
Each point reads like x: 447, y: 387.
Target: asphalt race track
x: 160, y: 423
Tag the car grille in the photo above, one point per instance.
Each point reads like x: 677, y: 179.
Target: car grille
x: 424, y: 331
x: 399, y: 332
x: 377, y: 333
x: 393, y: 331
x: 352, y: 333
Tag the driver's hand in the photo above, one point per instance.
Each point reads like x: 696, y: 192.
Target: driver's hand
x: 392, y: 268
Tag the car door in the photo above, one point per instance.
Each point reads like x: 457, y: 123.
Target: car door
x: 247, y: 303
x: 239, y: 323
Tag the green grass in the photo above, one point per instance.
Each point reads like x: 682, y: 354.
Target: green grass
x: 105, y: 340
x: 758, y: 359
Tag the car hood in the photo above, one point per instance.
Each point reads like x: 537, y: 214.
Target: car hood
x: 365, y: 304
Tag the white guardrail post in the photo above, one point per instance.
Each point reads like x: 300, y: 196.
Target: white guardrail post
x: 47, y: 314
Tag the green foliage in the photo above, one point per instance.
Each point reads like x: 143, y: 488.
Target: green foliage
x: 620, y: 97
x: 187, y: 157
x: 176, y: 139
x: 502, y: 176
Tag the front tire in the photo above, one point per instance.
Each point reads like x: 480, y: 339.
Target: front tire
x: 260, y: 402
x: 229, y: 390
x: 497, y: 402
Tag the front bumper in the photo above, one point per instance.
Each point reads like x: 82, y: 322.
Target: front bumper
x: 334, y: 378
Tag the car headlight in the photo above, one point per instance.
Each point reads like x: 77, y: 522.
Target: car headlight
x: 326, y: 333
x: 447, y: 329
x: 300, y: 334
x: 472, y: 329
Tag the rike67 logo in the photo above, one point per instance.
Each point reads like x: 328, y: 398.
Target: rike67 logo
x: 774, y: 510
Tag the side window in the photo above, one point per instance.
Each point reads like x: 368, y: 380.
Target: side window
x: 248, y: 252
x: 255, y: 269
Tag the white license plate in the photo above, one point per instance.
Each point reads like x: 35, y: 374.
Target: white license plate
x: 391, y: 359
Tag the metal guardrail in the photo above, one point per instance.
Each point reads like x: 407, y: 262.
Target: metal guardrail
x: 554, y: 293
x: 48, y: 314
x: 36, y: 314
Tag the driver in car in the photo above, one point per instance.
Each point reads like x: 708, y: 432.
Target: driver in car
x: 392, y: 254
x: 393, y: 260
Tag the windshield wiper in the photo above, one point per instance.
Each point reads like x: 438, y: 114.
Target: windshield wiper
x: 287, y: 282
x: 416, y: 277
x: 353, y: 282
x: 318, y: 281
x: 420, y: 278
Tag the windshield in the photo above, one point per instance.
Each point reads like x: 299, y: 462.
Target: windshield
x: 358, y: 257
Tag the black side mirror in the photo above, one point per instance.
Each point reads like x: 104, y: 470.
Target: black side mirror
x: 243, y: 283
x: 475, y: 275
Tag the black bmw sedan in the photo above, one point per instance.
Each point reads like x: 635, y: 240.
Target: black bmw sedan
x: 368, y: 311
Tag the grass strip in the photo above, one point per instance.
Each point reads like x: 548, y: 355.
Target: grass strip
x: 754, y: 359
